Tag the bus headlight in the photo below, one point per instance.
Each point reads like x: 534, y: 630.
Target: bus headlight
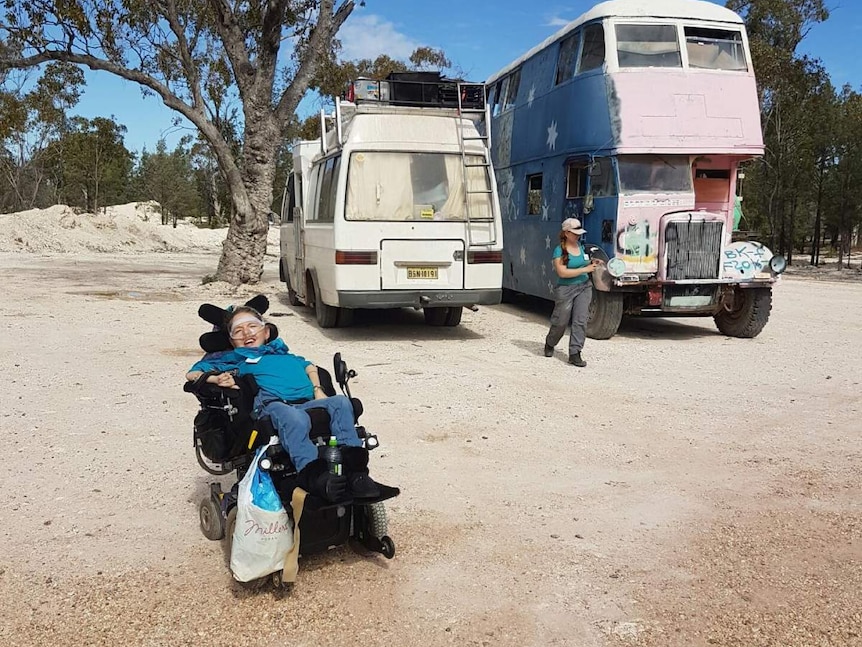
x: 778, y: 264
x: 616, y: 267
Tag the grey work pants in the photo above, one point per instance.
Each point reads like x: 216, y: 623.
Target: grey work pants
x: 571, y: 307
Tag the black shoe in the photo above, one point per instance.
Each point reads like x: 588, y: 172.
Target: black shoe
x: 575, y: 358
x: 549, y: 351
x: 361, y: 486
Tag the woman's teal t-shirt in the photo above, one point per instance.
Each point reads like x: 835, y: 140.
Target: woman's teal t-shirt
x: 576, y: 260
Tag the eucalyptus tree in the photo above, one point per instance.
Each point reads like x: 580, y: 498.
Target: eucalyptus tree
x: 790, y: 88
x: 33, y: 114
x: 191, y: 54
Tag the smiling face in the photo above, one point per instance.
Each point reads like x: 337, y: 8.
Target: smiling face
x: 246, y: 330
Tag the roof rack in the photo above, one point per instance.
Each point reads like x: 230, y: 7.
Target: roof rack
x: 417, y: 89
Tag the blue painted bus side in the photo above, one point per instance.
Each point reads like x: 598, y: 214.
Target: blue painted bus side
x: 548, y: 127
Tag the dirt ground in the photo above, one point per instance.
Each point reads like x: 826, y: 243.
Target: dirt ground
x: 684, y: 489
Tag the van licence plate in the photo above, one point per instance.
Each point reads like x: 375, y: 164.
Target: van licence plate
x: 422, y: 273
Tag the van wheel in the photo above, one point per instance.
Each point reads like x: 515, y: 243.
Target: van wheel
x: 748, y: 313
x: 442, y: 316
x: 606, y: 313
x: 292, y: 299
x: 327, y: 316
x: 345, y: 317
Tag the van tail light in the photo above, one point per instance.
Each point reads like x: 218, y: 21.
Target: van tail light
x: 485, y: 256
x: 355, y: 258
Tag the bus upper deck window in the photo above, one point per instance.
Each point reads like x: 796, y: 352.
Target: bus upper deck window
x: 648, y: 46
x: 715, y: 49
x: 512, y: 92
x: 593, y: 54
x: 499, y: 96
x: 568, y: 58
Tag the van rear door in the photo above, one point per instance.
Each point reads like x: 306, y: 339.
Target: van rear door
x: 411, y: 264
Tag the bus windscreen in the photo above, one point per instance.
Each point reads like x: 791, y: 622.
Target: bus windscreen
x: 648, y: 46
x: 654, y: 173
x: 715, y: 49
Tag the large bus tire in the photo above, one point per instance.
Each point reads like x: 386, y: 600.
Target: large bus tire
x: 749, y: 314
x: 606, y: 313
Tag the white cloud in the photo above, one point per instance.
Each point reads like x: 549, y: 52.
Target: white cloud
x: 557, y: 21
x: 370, y: 36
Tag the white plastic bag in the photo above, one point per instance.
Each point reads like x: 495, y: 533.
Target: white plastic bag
x: 261, y: 538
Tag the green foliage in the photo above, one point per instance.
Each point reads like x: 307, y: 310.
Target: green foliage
x: 90, y: 164
x: 805, y: 185
x: 169, y: 179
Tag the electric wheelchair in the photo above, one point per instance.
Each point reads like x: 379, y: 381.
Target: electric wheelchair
x: 226, y: 437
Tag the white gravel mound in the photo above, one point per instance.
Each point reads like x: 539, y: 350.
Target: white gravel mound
x: 133, y: 227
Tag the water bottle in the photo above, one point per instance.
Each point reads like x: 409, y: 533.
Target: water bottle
x: 332, y: 456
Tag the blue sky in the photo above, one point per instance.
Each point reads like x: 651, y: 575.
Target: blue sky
x: 479, y: 37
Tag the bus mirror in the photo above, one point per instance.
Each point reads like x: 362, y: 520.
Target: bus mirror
x: 274, y: 218
x: 595, y: 170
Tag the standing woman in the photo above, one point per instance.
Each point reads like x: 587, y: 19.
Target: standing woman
x: 573, y: 293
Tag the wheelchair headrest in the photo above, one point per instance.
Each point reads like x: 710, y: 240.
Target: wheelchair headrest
x: 217, y: 339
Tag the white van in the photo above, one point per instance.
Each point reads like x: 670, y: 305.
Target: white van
x: 396, y: 205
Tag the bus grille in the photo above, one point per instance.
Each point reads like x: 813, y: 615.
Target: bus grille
x: 693, y: 249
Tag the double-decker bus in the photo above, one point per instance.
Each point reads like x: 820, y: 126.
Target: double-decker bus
x: 634, y: 118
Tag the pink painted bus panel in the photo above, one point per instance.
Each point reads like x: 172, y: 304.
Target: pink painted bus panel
x: 697, y: 112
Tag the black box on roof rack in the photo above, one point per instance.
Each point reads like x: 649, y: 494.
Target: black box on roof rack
x: 431, y: 89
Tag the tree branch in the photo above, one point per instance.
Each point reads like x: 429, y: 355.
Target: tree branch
x: 321, y: 36
x: 234, y: 44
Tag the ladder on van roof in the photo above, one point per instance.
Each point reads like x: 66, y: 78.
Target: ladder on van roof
x: 466, y: 164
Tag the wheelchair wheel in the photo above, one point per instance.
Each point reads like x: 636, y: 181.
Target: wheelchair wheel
x: 387, y: 548
x: 212, y: 523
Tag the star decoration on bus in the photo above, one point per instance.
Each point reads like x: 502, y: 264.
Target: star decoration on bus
x: 545, y: 212
x: 523, y: 255
x: 547, y: 242
x: 552, y: 136
x: 532, y: 96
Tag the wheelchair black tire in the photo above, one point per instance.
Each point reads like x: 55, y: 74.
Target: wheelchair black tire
x: 212, y: 523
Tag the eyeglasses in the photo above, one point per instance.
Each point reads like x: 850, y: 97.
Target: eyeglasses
x: 246, y: 330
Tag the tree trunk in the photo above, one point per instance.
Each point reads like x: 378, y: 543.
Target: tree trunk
x: 245, y: 247
x: 815, y: 241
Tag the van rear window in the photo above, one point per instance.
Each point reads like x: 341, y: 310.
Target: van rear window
x: 416, y: 186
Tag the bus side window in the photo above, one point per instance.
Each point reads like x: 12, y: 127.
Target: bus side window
x: 534, y: 195
x: 499, y: 96
x: 568, y: 58
x: 593, y: 55
x: 324, y: 186
x: 512, y: 93
x: 332, y: 167
x: 576, y: 181
x: 290, y: 203
x: 602, y: 178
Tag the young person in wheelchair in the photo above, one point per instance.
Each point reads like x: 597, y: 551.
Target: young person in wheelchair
x: 288, y: 386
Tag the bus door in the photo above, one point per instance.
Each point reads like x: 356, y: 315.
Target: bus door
x: 600, y: 204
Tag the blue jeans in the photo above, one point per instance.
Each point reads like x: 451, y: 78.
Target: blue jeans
x: 293, y: 424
